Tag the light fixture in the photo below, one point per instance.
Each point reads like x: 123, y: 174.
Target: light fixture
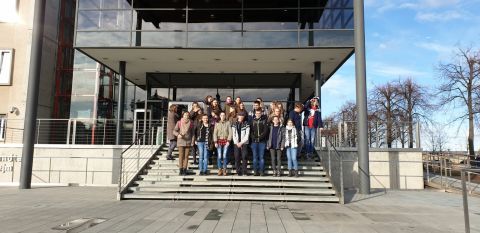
x: 293, y: 59
x: 254, y: 59
x: 217, y: 59
x: 142, y: 58
x: 180, y: 59
x: 105, y: 58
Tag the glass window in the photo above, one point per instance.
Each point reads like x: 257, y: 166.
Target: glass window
x: 215, y: 39
x: 151, y: 4
x: 82, y: 107
x: 88, y: 4
x: 100, y: 39
x: 212, y: 20
x: 103, y: 4
x: 215, y: 4
x: 165, y: 20
x: 327, y: 38
x: 275, y: 39
x: 84, y: 82
x: 159, y: 39
x: 266, y: 94
x: 284, y: 19
x: 81, y: 61
x: 271, y: 3
x: 104, y: 20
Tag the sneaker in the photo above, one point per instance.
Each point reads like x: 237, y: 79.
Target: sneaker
x: 296, y: 173
x: 279, y: 173
x: 181, y: 172
x: 201, y: 173
x: 256, y: 173
x: 262, y: 173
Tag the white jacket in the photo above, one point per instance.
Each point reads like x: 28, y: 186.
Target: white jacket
x: 245, y: 133
x: 291, y: 139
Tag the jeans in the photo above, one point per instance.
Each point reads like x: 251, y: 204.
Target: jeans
x: 276, y: 158
x: 301, y: 141
x: 222, y: 153
x: 171, y: 147
x: 292, y: 158
x: 193, y: 153
x: 310, y: 134
x: 203, y: 156
x: 241, y: 158
x: 258, y: 150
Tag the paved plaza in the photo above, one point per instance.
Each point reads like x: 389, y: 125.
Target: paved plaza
x: 43, y: 208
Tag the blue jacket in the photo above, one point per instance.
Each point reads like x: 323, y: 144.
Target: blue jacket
x: 296, y: 118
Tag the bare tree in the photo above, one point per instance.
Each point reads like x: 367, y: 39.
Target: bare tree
x: 436, y: 138
x: 384, y: 102
x: 460, y: 87
x: 416, y: 105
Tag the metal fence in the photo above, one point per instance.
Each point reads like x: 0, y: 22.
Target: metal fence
x: 399, y: 135
x: 138, y: 155
x: 443, y: 170
x: 80, y: 131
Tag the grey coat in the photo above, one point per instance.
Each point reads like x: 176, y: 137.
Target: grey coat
x: 280, y: 138
x: 171, y: 121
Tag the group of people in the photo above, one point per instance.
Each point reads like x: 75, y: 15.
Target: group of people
x: 213, y: 129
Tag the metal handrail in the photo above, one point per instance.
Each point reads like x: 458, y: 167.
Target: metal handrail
x: 466, y: 213
x: 123, y: 182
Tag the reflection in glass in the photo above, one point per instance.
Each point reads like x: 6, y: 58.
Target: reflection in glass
x: 326, y: 19
x: 270, y: 39
x: 327, y: 38
x: 104, y: 20
x: 82, y: 107
x: 165, y: 20
x: 273, y: 4
x: 81, y: 61
x: 99, y: 39
x: 215, y: 39
x: 84, y: 82
x: 212, y: 20
x: 283, y: 19
x: 217, y: 4
x: 159, y: 39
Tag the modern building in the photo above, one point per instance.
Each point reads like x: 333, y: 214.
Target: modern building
x: 110, y: 68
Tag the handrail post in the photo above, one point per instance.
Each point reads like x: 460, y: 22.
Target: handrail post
x: 465, y: 202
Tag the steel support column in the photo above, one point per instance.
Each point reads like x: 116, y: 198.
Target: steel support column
x: 318, y: 82
x: 121, y: 103
x: 361, y: 96
x: 30, y: 123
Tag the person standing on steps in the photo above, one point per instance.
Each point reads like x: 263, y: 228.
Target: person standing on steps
x: 296, y: 116
x: 240, y: 135
x: 258, y: 136
x: 196, y: 117
x: 222, y: 135
x: 275, y: 144
x: 203, y: 139
x: 311, y: 122
x: 172, y: 119
x: 184, y: 131
x: 291, y: 144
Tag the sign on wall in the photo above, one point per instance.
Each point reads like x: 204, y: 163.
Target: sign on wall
x: 6, y: 61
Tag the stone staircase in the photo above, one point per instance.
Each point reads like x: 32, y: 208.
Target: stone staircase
x: 161, y: 181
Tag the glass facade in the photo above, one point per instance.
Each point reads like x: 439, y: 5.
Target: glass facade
x: 215, y: 23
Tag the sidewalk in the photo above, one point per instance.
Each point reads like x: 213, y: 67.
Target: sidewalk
x: 41, y: 209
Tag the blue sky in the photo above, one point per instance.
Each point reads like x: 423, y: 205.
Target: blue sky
x: 407, y: 38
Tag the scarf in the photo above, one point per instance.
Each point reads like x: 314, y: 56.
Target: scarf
x: 184, y: 126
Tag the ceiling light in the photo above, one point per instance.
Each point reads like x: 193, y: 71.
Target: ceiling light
x: 254, y: 59
x: 217, y: 59
x: 332, y: 59
x: 293, y: 59
x: 105, y: 58
x: 142, y: 58
x: 190, y: 71
x: 180, y: 59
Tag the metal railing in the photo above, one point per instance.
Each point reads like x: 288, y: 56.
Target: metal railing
x: 466, y: 213
x: 137, y: 156
x: 401, y: 135
x: 444, y: 170
x: 85, y: 131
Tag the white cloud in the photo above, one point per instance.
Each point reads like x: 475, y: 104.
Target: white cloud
x: 439, y: 17
x: 439, y: 48
x: 391, y: 71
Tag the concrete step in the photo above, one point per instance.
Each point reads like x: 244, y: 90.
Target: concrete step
x: 237, y: 183
x: 283, y: 167
x: 227, y: 190
x: 163, y: 160
x: 231, y: 178
x: 229, y: 197
x: 171, y: 172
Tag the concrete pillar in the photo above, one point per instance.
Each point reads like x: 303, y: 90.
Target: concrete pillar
x: 30, y: 123
x: 121, y: 103
x: 361, y: 96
